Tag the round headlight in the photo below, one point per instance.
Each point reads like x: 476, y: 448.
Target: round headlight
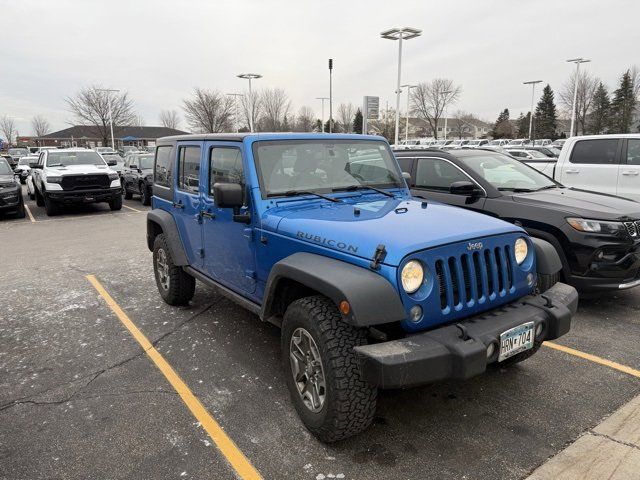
x: 412, y: 275
x: 520, y: 250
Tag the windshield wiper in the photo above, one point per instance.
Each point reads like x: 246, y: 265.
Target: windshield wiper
x: 547, y: 187
x: 293, y: 193
x: 55, y: 165
x: 516, y: 190
x: 353, y: 188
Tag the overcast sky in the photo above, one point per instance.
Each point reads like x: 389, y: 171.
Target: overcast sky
x: 159, y: 51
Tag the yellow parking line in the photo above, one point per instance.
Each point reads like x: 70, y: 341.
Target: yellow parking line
x: 593, y: 358
x: 227, y: 447
x: 131, y: 208
x: 26, y: 207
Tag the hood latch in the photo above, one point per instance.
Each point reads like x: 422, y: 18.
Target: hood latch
x: 378, y: 257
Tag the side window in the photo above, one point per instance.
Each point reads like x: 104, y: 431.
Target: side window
x: 436, y: 174
x: 633, y: 151
x: 163, y: 170
x: 225, y: 166
x: 600, y: 152
x: 189, y: 169
x: 405, y: 164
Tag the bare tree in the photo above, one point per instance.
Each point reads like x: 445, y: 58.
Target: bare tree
x: 40, y: 126
x: 138, y: 121
x: 634, y: 72
x: 275, y: 107
x: 305, y: 121
x: 462, y: 123
x: 91, y: 107
x: 429, y: 100
x: 346, y: 112
x: 209, y: 111
x: 8, y: 127
x: 587, y: 85
x: 170, y: 119
x: 251, y: 108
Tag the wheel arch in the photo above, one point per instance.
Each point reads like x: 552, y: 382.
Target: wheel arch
x: 161, y: 222
x: 372, y: 299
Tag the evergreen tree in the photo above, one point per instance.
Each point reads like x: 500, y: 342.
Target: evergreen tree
x: 600, y: 110
x: 357, y: 122
x: 623, y: 105
x: 523, y: 125
x: 334, y: 127
x: 502, y: 128
x: 546, y: 119
x: 319, y: 126
x: 285, y: 125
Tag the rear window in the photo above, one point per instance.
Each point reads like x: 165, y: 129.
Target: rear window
x: 189, y: 169
x: 163, y: 172
x: 597, y: 151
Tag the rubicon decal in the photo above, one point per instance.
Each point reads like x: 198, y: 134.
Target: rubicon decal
x: 329, y: 242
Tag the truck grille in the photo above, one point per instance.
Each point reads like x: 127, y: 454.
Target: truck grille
x: 474, y: 277
x: 85, y: 182
x: 633, y: 228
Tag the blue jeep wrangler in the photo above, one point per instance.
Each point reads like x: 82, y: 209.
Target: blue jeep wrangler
x: 318, y: 234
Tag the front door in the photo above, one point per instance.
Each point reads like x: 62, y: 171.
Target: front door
x: 228, y: 245
x: 629, y: 170
x: 187, y: 201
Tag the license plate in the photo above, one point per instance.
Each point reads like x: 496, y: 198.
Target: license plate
x: 516, y: 340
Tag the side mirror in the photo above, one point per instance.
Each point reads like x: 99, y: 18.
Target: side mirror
x: 133, y: 167
x: 407, y: 177
x: 463, y: 187
x: 112, y: 163
x: 228, y: 195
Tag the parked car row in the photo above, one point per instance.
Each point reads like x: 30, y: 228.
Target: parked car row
x: 451, y: 144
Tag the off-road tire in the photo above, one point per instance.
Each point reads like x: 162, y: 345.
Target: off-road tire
x: 546, y: 281
x: 182, y: 286
x: 51, y: 207
x: 127, y: 194
x: 116, y: 203
x: 520, y: 357
x: 32, y: 195
x: 145, y: 196
x: 39, y: 198
x: 350, y: 402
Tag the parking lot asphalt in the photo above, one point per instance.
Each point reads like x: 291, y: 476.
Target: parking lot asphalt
x: 79, y: 398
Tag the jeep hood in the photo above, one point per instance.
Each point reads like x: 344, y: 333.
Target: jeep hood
x: 357, y: 226
x: 78, y: 169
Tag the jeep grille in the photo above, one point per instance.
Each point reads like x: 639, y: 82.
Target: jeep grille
x: 471, y: 277
x: 633, y: 228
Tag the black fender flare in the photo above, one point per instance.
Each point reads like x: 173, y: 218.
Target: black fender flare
x: 372, y: 299
x: 165, y: 221
x: 547, y: 259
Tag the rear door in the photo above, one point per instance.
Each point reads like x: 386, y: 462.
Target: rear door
x: 629, y: 170
x: 593, y: 165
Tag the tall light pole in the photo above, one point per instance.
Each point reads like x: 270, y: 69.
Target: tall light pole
x: 533, y: 89
x: 330, y: 95
x: 250, y: 76
x: 323, y: 99
x: 406, y: 130
x: 405, y: 33
x: 109, y: 91
x: 444, y: 94
x: 235, y: 97
x: 577, y: 61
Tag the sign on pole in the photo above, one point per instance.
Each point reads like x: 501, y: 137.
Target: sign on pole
x: 370, y: 111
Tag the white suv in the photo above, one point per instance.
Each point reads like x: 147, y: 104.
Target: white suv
x: 74, y: 175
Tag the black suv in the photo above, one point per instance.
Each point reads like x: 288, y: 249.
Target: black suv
x: 10, y: 191
x: 596, y: 235
x: 137, y: 176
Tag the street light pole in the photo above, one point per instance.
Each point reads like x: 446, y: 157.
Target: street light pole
x: 109, y: 92
x: 322, y: 121
x: 533, y: 89
x: 330, y: 96
x: 406, y: 130
x: 235, y: 97
x: 250, y: 76
x: 406, y: 33
x: 577, y: 61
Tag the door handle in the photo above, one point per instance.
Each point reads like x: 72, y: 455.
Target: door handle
x: 572, y: 171
x: 178, y: 205
x: 207, y: 214
x: 630, y: 173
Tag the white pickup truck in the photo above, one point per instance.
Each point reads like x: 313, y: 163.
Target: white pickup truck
x: 601, y: 163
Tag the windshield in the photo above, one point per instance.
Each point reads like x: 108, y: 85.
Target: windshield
x: 18, y: 152
x: 537, y: 154
x: 145, y: 161
x: 324, y: 165
x: 5, y: 169
x: 506, y: 173
x: 25, y: 160
x: 63, y: 159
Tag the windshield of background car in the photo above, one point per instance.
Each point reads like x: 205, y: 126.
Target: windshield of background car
x: 74, y: 158
x: 506, y: 173
x: 18, y: 151
x: 537, y: 154
x: 324, y: 165
x: 145, y: 161
x: 5, y: 169
x: 26, y: 160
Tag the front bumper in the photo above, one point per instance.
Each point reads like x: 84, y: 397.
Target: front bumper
x: 10, y: 199
x: 443, y: 353
x: 84, y: 196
